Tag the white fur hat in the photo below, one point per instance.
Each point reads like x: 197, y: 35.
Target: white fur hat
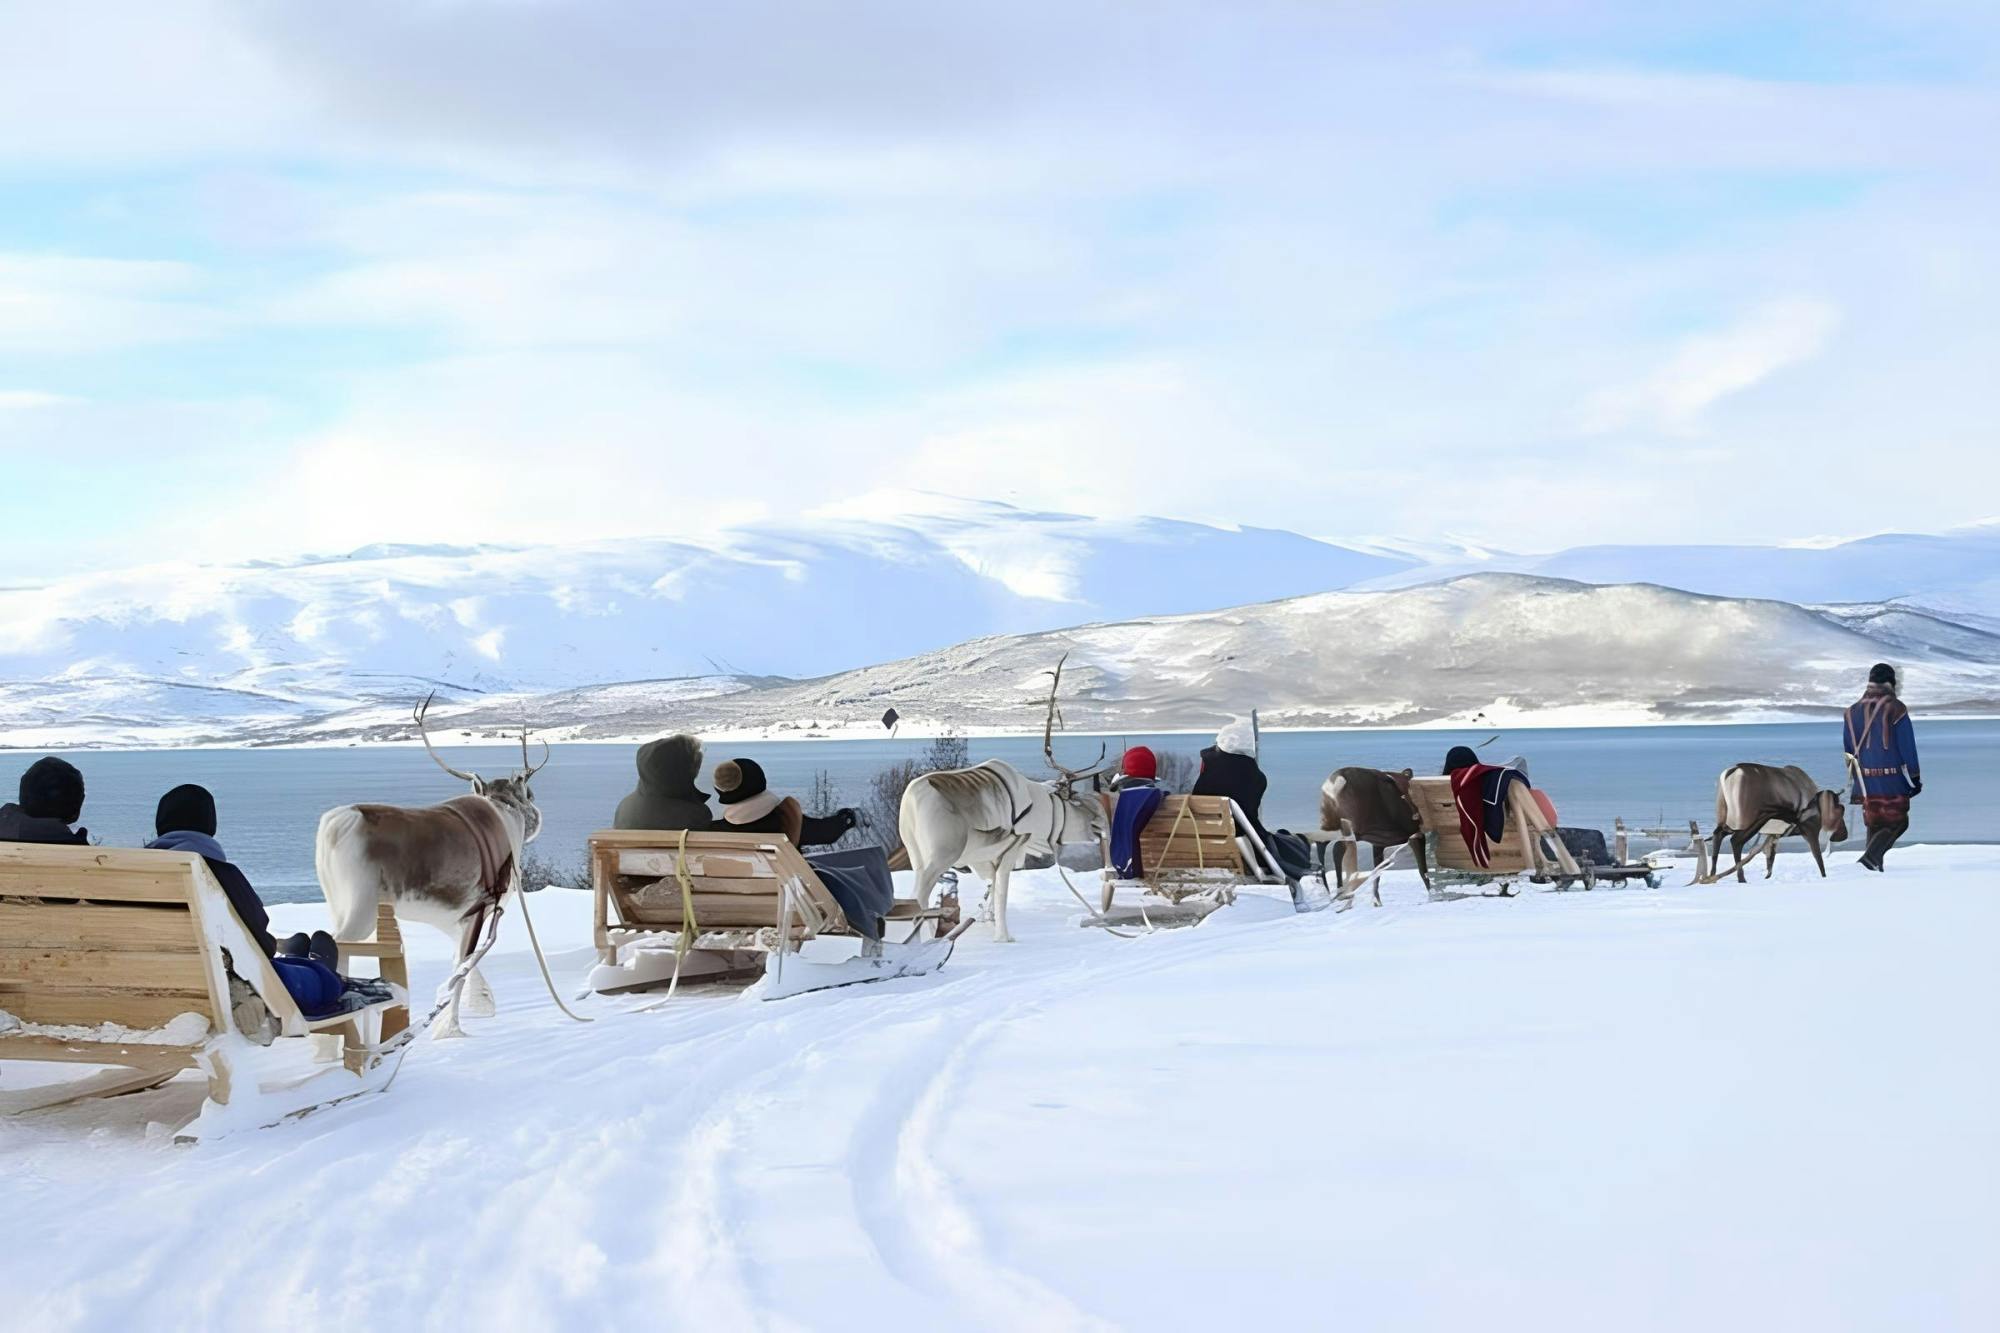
x: 1239, y: 737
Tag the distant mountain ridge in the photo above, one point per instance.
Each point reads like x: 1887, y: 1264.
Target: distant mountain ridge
x: 776, y: 617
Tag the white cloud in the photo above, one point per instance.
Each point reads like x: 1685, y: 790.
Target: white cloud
x: 1705, y: 368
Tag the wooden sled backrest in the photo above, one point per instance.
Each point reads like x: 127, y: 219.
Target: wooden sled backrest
x: 1188, y: 833
x: 735, y: 880
x: 95, y: 935
x: 1439, y: 813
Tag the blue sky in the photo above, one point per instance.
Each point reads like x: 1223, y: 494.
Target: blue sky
x: 292, y: 277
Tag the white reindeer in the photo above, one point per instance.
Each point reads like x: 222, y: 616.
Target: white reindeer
x: 991, y: 819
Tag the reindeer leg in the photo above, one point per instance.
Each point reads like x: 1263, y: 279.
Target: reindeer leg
x: 1770, y: 854
x: 1715, y: 853
x: 1423, y: 867
x: 468, y: 940
x: 1812, y: 844
x: 1737, y: 842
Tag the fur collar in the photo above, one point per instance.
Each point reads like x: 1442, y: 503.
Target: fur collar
x: 751, y: 810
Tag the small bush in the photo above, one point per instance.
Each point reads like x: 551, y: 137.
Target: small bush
x: 540, y: 872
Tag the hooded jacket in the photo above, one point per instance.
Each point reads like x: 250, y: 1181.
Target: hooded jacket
x: 1227, y: 773
x: 666, y: 797
x: 17, y: 825
x: 235, y: 884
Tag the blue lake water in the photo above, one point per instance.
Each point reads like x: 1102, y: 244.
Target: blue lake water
x: 270, y: 800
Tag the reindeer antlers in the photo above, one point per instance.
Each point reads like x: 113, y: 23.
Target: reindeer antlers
x: 529, y: 770
x: 1049, y: 727
x: 424, y: 735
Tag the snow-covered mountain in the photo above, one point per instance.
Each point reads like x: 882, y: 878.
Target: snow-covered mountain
x: 862, y: 583
x: 1503, y: 647
x: 1954, y: 573
x: 611, y: 637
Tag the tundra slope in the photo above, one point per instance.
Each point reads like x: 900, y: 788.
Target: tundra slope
x: 1511, y: 647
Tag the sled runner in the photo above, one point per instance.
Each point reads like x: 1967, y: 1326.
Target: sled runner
x: 1530, y: 851
x: 1195, y: 852
x: 126, y: 959
x: 738, y: 906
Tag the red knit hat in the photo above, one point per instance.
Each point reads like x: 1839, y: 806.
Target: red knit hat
x: 1139, y: 763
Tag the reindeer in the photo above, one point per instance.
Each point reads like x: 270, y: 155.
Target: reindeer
x: 1375, y: 806
x: 445, y: 865
x: 991, y: 818
x: 1777, y: 802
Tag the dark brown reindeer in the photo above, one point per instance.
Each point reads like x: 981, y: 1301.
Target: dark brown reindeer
x: 1375, y: 806
x: 1753, y: 799
x: 446, y: 865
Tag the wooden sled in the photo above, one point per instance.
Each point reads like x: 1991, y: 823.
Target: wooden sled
x: 1528, y: 852
x: 1196, y: 852
x: 106, y: 953
x: 738, y: 906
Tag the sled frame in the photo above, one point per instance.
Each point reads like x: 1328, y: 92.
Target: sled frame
x: 1196, y: 852
x: 756, y: 900
x: 91, y: 936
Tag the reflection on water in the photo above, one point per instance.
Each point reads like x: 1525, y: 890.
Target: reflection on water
x: 270, y: 800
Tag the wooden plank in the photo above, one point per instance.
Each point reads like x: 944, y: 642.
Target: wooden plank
x: 63, y: 1050
x: 30, y: 968
x: 710, y: 909
x: 154, y: 884
x: 136, y: 927
x: 700, y: 864
x: 91, y: 1007
x: 759, y: 887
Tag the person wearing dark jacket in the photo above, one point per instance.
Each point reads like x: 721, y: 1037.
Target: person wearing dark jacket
x: 308, y: 965
x: 750, y: 806
x: 1881, y: 745
x: 1229, y: 768
x: 51, y: 801
x: 666, y: 797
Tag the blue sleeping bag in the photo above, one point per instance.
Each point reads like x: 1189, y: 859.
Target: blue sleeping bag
x: 1135, y: 807
x: 315, y: 986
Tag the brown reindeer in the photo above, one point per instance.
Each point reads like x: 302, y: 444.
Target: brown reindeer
x: 1758, y: 798
x: 1375, y: 806
x: 446, y: 865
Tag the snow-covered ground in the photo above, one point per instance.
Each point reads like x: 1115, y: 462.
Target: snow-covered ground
x: 1738, y: 1107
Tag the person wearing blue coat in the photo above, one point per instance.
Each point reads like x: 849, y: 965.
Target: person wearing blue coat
x: 1881, y: 745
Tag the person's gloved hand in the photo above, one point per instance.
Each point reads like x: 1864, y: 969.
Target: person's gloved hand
x: 1916, y: 788
x: 847, y: 817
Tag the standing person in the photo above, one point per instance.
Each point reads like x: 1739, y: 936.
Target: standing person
x: 51, y: 801
x: 1881, y: 745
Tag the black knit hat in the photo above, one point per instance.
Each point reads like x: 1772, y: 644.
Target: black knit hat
x: 1459, y: 756
x: 738, y: 780
x: 185, y: 809
x: 1882, y: 674
x: 52, y: 789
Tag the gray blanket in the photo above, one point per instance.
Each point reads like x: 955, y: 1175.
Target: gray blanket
x: 859, y: 881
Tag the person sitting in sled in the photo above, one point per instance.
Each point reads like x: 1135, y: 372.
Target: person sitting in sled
x: 750, y: 806
x: 666, y: 797
x: 308, y: 965
x: 1881, y: 745
x: 1139, y: 797
x: 51, y: 801
x: 1229, y: 768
